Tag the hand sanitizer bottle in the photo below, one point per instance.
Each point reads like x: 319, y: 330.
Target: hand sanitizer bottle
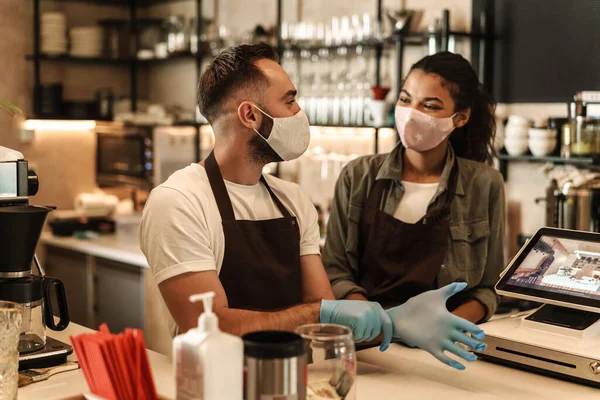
x: 208, y: 363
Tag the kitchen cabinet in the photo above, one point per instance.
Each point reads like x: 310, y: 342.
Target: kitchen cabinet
x: 74, y: 270
x: 99, y: 290
x: 119, y: 292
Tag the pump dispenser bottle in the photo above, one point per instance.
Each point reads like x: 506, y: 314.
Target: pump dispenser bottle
x: 208, y: 363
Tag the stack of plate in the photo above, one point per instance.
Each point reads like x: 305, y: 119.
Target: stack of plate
x: 86, y: 41
x: 54, y: 27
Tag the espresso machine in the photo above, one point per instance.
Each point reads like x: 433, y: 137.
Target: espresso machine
x: 21, y: 225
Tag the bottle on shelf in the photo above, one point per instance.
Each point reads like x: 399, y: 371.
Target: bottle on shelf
x: 568, y: 131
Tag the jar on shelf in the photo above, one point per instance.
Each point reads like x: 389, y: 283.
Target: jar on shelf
x: 177, y: 40
x: 586, y: 138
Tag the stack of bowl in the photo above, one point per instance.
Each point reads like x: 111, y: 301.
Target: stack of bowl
x: 542, y: 141
x: 53, y: 33
x: 86, y: 41
x: 516, y: 135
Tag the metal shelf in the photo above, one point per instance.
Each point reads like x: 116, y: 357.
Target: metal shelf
x: 120, y: 3
x: 316, y: 125
x: 114, y: 61
x: 504, y: 159
x: 408, y: 39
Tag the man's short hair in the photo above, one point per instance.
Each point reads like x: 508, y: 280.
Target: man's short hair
x: 229, y: 72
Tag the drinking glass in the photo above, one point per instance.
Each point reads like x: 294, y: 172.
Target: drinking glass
x: 332, y: 373
x: 11, y: 315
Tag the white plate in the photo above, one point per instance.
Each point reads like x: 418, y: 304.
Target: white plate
x: 86, y: 55
x: 46, y: 48
x: 86, y: 31
x: 55, y: 52
x: 54, y: 42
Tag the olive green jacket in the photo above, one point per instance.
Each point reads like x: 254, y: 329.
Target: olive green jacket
x: 476, y: 234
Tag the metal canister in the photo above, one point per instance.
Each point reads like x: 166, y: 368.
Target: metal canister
x: 275, y: 364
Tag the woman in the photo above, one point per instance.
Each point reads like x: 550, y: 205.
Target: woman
x: 431, y: 212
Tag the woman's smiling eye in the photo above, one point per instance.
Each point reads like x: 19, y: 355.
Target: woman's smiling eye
x: 432, y: 107
x: 404, y: 100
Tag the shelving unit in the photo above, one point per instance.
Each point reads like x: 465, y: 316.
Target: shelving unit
x: 504, y: 159
x: 481, y: 46
x: 132, y: 63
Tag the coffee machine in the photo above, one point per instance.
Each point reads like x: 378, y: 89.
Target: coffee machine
x: 21, y: 225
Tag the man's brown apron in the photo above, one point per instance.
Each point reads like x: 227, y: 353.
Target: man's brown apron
x: 261, y: 263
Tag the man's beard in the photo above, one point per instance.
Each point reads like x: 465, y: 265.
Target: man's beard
x: 259, y: 151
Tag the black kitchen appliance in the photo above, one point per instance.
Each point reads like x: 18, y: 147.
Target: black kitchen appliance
x: 21, y: 226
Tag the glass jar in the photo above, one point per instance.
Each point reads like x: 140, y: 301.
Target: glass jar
x: 586, y: 140
x: 177, y: 40
x: 192, y: 30
x: 10, y: 323
x: 33, y: 329
x: 332, y: 373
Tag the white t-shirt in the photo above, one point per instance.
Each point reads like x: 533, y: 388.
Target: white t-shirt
x: 182, y: 230
x: 415, y: 201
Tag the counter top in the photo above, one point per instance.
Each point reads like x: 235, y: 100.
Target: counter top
x: 120, y: 247
x: 418, y: 375
x: 72, y: 384
x: 400, y: 372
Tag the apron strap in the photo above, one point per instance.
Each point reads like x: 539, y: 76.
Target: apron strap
x: 376, y: 199
x: 219, y: 189
x: 284, y: 211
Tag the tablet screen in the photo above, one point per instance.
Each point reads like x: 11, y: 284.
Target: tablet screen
x: 557, y: 265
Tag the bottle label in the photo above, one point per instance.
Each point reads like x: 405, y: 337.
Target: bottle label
x: 189, y: 378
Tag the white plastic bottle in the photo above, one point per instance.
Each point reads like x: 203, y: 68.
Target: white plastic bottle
x: 208, y: 363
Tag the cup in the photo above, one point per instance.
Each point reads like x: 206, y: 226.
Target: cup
x: 332, y: 373
x: 378, y: 113
x: 275, y: 364
x: 11, y: 316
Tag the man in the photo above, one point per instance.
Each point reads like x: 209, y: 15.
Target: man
x: 253, y: 239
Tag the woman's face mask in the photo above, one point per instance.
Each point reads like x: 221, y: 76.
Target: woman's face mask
x: 419, y: 131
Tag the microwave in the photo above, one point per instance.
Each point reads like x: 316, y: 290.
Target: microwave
x: 143, y: 157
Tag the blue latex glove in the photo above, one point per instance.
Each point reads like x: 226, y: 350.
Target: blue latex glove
x: 367, y: 319
x: 423, y: 321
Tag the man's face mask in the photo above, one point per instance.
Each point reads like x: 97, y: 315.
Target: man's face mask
x: 290, y: 136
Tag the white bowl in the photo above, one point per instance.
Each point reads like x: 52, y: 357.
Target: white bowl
x: 515, y: 146
x: 542, y: 147
x: 515, y: 131
x: 518, y: 120
x: 542, y: 133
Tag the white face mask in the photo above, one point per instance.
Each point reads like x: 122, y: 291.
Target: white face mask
x: 290, y: 136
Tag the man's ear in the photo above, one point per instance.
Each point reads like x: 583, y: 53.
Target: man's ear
x: 249, y: 115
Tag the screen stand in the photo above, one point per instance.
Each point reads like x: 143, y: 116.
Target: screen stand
x: 562, y: 320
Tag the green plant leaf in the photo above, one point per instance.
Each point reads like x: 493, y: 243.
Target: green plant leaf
x: 9, y: 108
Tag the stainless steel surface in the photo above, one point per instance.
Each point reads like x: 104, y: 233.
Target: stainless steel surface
x: 275, y: 377
x: 38, y: 265
x: 10, y: 275
x: 574, y: 207
x: 543, y: 358
x: 595, y: 367
x: 584, y: 211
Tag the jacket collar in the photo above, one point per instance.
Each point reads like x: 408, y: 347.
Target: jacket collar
x: 392, y: 168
